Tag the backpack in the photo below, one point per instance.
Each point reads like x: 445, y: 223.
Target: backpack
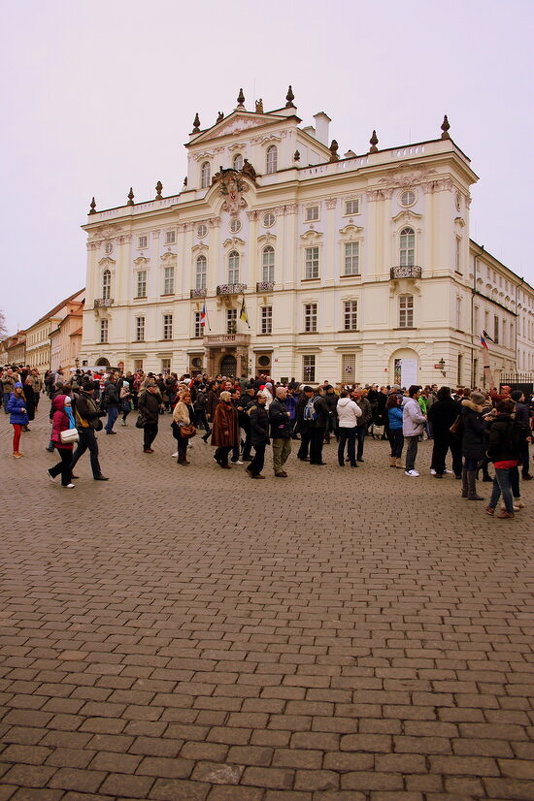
x: 309, y: 410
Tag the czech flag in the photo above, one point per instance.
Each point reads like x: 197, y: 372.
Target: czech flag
x: 203, y: 315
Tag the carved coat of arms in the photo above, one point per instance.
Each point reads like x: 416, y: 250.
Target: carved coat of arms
x: 232, y: 188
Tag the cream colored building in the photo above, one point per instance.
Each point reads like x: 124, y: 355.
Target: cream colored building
x: 355, y: 268
x: 66, y: 338
x: 38, y: 342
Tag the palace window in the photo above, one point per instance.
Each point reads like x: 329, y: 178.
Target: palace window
x: 141, y: 284
x: 238, y: 162
x: 231, y: 321
x: 197, y: 328
x: 235, y: 225
x: 168, y: 281
x: 352, y: 258
x: 269, y: 219
x: 106, y: 285
x: 308, y: 368
x: 201, y: 270
x: 312, y: 213
x: 104, y: 330
x: 405, y: 311
x: 142, y: 242
x: 496, y: 330
x: 310, y: 317
x: 312, y: 262
x: 170, y: 237
x: 350, y: 316
x: 233, y: 267
x: 267, y: 273
x: 266, y: 320
x: 139, y: 329
x: 202, y: 230
x: 352, y: 206
x: 458, y: 255
x: 407, y: 247
x: 205, y: 175
x: 271, y: 159
x: 167, y: 326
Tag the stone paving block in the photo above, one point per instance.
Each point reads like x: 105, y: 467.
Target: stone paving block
x: 176, y: 790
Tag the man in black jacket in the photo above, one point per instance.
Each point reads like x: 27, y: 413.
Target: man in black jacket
x: 259, y: 434
x: 280, y: 431
x: 111, y: 403
x: 318, y: 427
x: 88, y: 416
x: 522, y: 416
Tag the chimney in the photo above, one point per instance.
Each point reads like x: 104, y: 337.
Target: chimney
x: 322, y: 121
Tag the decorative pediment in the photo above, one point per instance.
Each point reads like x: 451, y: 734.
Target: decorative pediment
x: 407, y: 216
x: 350, y: 231
x: 141, y: 261
x: 235, y: 123
x: 168, y: 257
x: 105, y: 231
x: 106, y: 262
x: 234, y: 242
x: 201, y: 247
x: 267, y: 239
x: 406, y: 178
x: 311, y: 236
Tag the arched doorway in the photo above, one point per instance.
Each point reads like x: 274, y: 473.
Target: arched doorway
x: 228, y: 366
x: 102, y: 362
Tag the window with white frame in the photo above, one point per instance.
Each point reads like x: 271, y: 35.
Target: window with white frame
x: 167, y: 326
x: 459, y: 313
x: 170, y: 237
x: 142, y: 242
x: 407, y: 247
x: 312, y: 262
x: 166, y: 365
x: 267, y: 264
x: 311, y: 214
x: 139, y: 329
x: 238, y: 161
x: 268, y: 219
x: 405, y: 311
x: 458, y: 255
x: 205, y: 175
x: 310, y: 317
x: 197, y: 327
x: 231, y: 321
x: 141, y: 284
x: 106, y: 284
x: 266, y: 326
x: 352, y: 206
x: 308, y: 368
x: 235, y: 225
x: 496, y: 329
x: 201, y: 271
x: 202, y: 230
x: 352, y: 258
x: 233, y: 267
x: 104, y: 330
x: 168, y: 281
x: 271, y: 159
x: 350, y: 315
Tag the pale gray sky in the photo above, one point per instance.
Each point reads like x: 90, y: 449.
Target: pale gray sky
x: 100, y: 95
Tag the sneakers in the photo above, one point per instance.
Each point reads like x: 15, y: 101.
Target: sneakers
x: 432, y: 471
x: 67, y: 486
x: 17, y: 455
x: 174, y: 455
x: 412, y: 473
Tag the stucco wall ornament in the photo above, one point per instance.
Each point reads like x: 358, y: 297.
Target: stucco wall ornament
x: 231, y: 187
x: 402, y: 178
x: 104, y: 232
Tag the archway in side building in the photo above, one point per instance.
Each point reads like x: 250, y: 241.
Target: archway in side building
x: 405, y: 367
x: 228, y: 365
x: 102, y: 362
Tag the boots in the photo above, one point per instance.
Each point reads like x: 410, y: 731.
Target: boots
x: 465, y: 485
x: 472, y: 486
x: 392, y: 461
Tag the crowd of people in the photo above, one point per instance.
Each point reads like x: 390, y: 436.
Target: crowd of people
x: 241, y: 418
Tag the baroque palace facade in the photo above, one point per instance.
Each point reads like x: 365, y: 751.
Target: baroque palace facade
x: 304, y: 264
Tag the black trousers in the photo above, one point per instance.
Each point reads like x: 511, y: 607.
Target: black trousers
x: 182, y: 448
x: 346, y: 436
x: 149, y: 434
x: 316, y: 445
x: 221, y: 454
x: 305, y: 436
x: 442, y: 443
x: 63, y: 467
x: 87, y: 443
x: 256, y: 465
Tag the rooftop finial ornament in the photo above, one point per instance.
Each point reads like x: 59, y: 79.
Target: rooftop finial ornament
x: 373, y: 141
x: 290, y: 97
x: 240, y: 99
x: 159, y: 187
x: 445, y: 125
x: 196, y: 124
x: 92, y: 209
x: 220, y: 117
x: 334, y: 147
x: 130, y: 197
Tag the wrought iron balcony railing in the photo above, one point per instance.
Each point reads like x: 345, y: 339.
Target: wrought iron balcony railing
x: 231, y: 289
x: 198, y: 293
x: 264, y: 286
x: 102, y: 303
x: 405, y: 271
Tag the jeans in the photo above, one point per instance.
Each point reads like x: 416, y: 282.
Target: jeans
x: 87, y: 442
x: 411, y: 451
x: 113, y: 413
x: 346, y: 436
x: 281, y: 451
x: 5, y: 401
x: 501, y: 483
x: 360, y: 436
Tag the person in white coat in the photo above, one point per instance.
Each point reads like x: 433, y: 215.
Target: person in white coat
x: 348, y: 412
x: 413, y: 422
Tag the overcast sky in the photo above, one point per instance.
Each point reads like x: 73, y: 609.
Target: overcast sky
x: 99, y: 96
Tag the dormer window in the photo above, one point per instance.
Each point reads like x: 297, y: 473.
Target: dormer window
x: 238, y: 162
x: 205, y: 175
x: 272, y: 160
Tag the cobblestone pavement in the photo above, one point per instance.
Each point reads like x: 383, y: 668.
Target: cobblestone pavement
x: 186, y: 634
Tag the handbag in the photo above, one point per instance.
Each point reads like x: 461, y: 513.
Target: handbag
x: 140, y: 422
x: 69, y: 436
x: 188, y: 431
x: 457, y: 427
x: 99, y: 425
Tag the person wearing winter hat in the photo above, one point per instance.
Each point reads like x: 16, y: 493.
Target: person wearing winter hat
x: 474, y: 427
x: 16, y: 407
x: 62, y: 419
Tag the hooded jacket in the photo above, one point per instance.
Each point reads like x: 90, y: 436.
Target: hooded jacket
x: 60, y: 422
x: 348, y: 412
x: 412, y: 419
x: 474, y: 430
